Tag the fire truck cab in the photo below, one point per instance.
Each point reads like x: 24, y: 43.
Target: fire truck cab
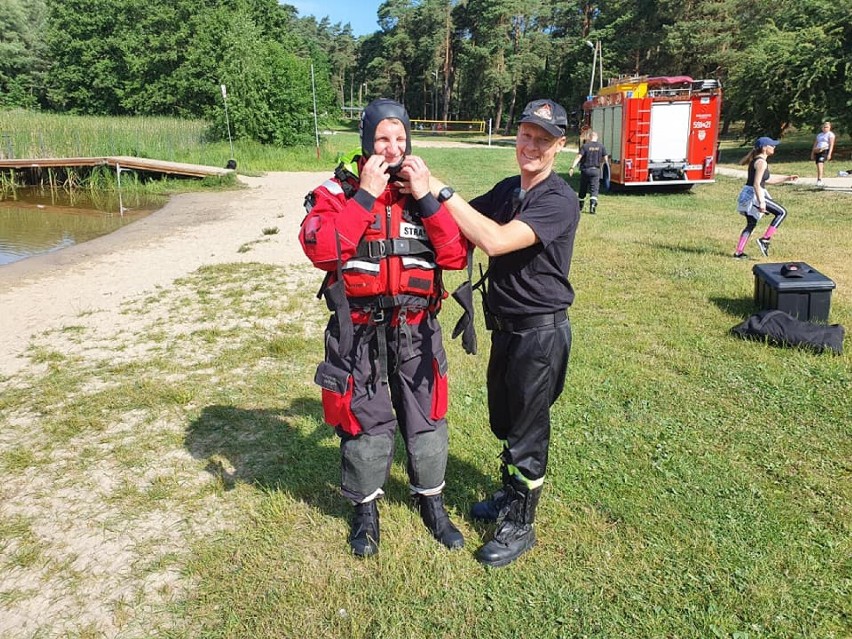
x: 659, y: 131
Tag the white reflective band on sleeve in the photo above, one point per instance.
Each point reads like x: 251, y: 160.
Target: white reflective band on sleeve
x: 416, y: 261
x: 333, y: 187
x: 361, y: 265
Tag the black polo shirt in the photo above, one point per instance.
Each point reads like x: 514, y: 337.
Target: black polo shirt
x: 592, y: 155
x: 533, y: 280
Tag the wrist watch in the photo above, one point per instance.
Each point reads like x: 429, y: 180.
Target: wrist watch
x: 445, y: 194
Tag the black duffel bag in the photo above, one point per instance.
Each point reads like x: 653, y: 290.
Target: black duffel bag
x: 782, y: 329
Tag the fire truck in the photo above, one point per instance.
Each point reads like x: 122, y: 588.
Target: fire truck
x: 659, y: 131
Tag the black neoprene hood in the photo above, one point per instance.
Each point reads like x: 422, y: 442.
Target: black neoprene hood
x: 378, y: 110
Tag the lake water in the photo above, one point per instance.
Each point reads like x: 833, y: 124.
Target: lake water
x: 39, y: 221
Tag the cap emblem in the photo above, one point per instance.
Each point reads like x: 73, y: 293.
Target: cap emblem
x: 545, y: 112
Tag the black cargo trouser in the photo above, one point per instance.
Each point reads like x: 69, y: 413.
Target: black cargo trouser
x: 526, y: 375
x: 590, y: 181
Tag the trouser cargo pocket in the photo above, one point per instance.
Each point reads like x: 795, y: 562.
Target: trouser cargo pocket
x: 440, y: 389
x: 337, y: 385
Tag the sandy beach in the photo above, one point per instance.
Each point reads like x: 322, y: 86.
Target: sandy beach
x: 68, y: 503
x: 88, y: 282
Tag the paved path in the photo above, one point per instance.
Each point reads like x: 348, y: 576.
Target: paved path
x: 840, y: 184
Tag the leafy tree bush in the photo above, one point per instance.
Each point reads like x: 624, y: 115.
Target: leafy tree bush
x: 782, y: 63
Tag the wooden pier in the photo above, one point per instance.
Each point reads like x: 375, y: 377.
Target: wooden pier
x: 124, y: 162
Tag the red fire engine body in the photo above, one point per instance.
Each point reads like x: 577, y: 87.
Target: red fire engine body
x: 661, y: 131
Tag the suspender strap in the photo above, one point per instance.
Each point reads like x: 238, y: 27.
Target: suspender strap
x: 482, y: 285
x: 382, y: 359
x: 403, y: 337
x: 335, y: 300
x: 344, y: 177
x: 483, y: 277
x: 324, y: 285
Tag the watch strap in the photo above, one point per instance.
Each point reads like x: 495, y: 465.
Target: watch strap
x: 445, y: 194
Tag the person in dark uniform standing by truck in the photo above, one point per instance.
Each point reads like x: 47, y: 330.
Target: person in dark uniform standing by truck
x: 591, y: 159
x: 526, y: 224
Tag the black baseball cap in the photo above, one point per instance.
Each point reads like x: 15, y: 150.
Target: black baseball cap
x: 547, y: 114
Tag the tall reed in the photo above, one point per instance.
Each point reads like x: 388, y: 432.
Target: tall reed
x: 9, y: 184
x: 27, y: 134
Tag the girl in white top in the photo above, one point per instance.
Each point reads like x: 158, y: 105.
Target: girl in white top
x: 822, y: 149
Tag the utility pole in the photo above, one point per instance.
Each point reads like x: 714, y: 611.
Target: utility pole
x: 594, y: 64
x: 316, y: 126
x: 435, y: 96
x: 228, y: 122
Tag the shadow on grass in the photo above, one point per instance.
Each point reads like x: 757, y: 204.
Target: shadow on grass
x: 616, y: 190
x: 266, y: 449
x: 741, y: 307
x: 676, y: 248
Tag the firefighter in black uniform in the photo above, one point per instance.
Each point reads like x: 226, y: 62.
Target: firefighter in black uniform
x: 526, y: 225
x: 591, y: 158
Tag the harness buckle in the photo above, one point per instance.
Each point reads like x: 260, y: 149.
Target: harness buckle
x: 381, y: 249
x: 378, y: 316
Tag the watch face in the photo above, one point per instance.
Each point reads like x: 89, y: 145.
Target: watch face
x: 445, y: 194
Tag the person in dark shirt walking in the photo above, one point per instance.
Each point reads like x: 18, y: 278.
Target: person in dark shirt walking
x: 591, y: 158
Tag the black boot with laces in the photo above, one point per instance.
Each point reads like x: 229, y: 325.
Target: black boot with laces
x: 489, y: 509
x: 515, y: 533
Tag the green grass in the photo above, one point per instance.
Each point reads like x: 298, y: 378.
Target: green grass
x: 699, y: 485
x: 36, y: 134
x: 27, y: 134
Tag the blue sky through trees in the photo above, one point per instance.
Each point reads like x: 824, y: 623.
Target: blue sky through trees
x: 361, y: 14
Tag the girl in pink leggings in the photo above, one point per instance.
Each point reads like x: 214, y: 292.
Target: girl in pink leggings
x: 754, y: 200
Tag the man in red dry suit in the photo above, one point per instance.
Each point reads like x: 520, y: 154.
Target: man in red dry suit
x: 385, y: 366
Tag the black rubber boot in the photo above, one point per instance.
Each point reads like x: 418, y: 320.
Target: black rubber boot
x: 435, y: 516
x: 364, y: 535
x: 489, y: 509
x: 514, y: 534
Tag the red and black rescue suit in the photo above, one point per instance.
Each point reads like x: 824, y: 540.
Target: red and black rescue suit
x: 384, y: 358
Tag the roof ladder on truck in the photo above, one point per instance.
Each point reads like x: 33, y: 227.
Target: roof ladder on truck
x: 637, y: 143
